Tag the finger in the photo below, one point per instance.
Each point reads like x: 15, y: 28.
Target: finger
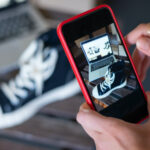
x: 141, y: 30
x: 102, y: 142
x: 85, y: 107
x: 127, y: 42
x: 109, y: 142
x: 96, y: 136
x: 92, y: 133
x: 92, y: 120
x: 88, y: 118
x: 143, y: 45
x: 145, y: 66
x: 138, y: 58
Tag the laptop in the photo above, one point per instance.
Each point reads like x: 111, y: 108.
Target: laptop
x: 99, y: 55
x: 20, y: 23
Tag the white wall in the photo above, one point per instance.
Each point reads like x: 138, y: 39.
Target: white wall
x: 66, y: 6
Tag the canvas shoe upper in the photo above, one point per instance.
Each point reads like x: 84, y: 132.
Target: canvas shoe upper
x: 44, y: 77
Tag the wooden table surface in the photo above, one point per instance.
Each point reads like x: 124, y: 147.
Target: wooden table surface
x: 53, y: 128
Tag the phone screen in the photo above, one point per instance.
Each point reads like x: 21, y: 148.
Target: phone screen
x: 104, y: 65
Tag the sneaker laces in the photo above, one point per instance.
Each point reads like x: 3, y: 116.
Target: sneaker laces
x: 32, y: 74
x: 109, y: 79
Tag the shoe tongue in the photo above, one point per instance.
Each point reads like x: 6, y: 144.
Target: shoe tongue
x: 111, y: 74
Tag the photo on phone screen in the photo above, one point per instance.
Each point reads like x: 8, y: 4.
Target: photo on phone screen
x: 105, y: 66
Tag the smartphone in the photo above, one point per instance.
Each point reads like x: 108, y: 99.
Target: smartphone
x: 103, y: 65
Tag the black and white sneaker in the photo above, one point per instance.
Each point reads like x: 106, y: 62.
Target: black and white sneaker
x: 114, y: 79
x: 45, y: 76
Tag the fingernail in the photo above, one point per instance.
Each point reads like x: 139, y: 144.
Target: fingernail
x: 143, y: 45
x: 84, y: 110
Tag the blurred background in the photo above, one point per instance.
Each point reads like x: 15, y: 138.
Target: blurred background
x: 54, y: 127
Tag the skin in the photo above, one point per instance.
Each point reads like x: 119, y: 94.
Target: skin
x: 114, y: 134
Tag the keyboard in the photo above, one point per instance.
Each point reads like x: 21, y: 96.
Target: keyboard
x: 15, y: 25
x: 102, y: 63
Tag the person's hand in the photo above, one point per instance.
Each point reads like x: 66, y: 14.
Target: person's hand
x: 114, y: 134
x: 140, y: 36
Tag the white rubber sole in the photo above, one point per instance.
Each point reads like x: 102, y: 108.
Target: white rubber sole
x: 95, y: 93
x: 24, y: 113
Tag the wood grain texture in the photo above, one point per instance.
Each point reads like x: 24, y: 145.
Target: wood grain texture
x: 7, y: 144
x: 52, y: 132
x: 66, y: 109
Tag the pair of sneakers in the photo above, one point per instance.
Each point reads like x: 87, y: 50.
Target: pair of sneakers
x: 115, y: 78
x: 44, y: 77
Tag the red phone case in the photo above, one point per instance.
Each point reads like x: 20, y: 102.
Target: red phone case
x: 72, y: 62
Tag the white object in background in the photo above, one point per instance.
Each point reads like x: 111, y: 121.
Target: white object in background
x: 4, y: 3
x: 66, y: 6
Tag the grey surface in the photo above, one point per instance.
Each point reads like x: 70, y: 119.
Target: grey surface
x: 131, y: 13
x: 12, y: 49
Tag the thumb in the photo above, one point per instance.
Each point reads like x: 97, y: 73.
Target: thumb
x: 92, y: 120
